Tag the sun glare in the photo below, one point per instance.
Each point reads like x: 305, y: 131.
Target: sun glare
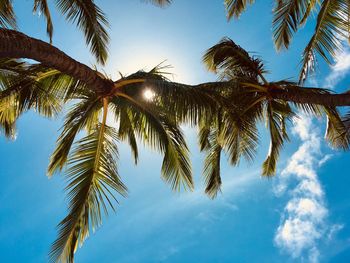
x: 148, y: 94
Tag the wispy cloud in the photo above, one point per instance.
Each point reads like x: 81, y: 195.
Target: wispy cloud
x: 340, y: 69
x: 303, y: 221
x: 325, y: 159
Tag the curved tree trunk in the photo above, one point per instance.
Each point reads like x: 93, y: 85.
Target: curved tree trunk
x: 305, y: 96
x: 296, y: 94
x: 14, y: 44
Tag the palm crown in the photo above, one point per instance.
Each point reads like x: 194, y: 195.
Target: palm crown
x: 91, y: 161
x: 248, y: 100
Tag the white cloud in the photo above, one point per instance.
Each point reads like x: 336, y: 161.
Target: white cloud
x: 334, y: 230
x: 340, y: 69
x: 325, y: 159
x: 304, y: 219
x: 309, y: 186
x: 306, y: 207
x: 301, y: 127
x: 296, y: 234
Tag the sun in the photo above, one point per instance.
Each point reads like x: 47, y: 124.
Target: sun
x: 148, y: 94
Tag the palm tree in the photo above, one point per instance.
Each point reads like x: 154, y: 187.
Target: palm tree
x: 84, y: 13
x: 227, y: 113
x: 331, y: 29
x: 90, y: 163
x: 249, y: 100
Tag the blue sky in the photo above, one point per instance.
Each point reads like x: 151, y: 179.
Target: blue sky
x: 301, y: 215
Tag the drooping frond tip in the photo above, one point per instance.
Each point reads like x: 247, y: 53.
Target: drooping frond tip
x: 7, y: 15
x: 43, y: 7
x: 286, y: 21
x: 331, y: 27
x: 277, y: 114
x: 92, y: 21
x: 235, y: 8
x: 161, y: 3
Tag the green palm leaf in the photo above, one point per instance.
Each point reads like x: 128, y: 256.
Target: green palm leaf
x: 287, y: 17
x: 79, y: 117
x: 332, y: 25
x: 346, y: 121
x: 8, y: 117
x: 235, y: 8
x: 231, y: 61
x: 126, y: 130
x: 277, y: 113
x: 162, y: 134
x: 43, y: 7
x: 310, y: 7
x: 336, y: 132
x: 185, y: 101
x: 161, y: 3
x: 92, y: 21
x: 211, y: 170
x: 92, y: 176
x: 230, y: 129
x: 240, y: 137
x: 25, y: 85
x: 7, y: 15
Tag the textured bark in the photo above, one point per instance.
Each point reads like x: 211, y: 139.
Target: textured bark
x: 302, y: 95
x: 14, y: 44
x: 296, y: 94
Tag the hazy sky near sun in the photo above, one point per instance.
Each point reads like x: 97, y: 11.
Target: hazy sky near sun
x: 301, y: 215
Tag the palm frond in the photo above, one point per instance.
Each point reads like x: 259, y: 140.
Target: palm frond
x: 62, y: 86
x: 126, y: 131
x: 287, y: 17
x: 277, y: 113
x: 92, y: 21
x: 310, y: 7
x: 184, y: 101
x: 29, y: 92
x: 78, y: 118
x: 92, y: 178
x: 211, y: 170
x: 7, y: 15
x: 161, y: 133
x: 8, y: 106
x: 346, y: 121
x: 8, y: 117
x: 230, y: 60
x: 240, y: 136
x: 235, y: 8
x: 204, y: 130
x: 160, y: 3
x: 336, y: 133
x: 231, y: 130
x: 332, y: 25
x: 43, y: 7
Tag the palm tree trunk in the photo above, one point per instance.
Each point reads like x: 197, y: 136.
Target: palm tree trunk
x: 14, y: 44
x: 306, y: 96
x: 294, y: 94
